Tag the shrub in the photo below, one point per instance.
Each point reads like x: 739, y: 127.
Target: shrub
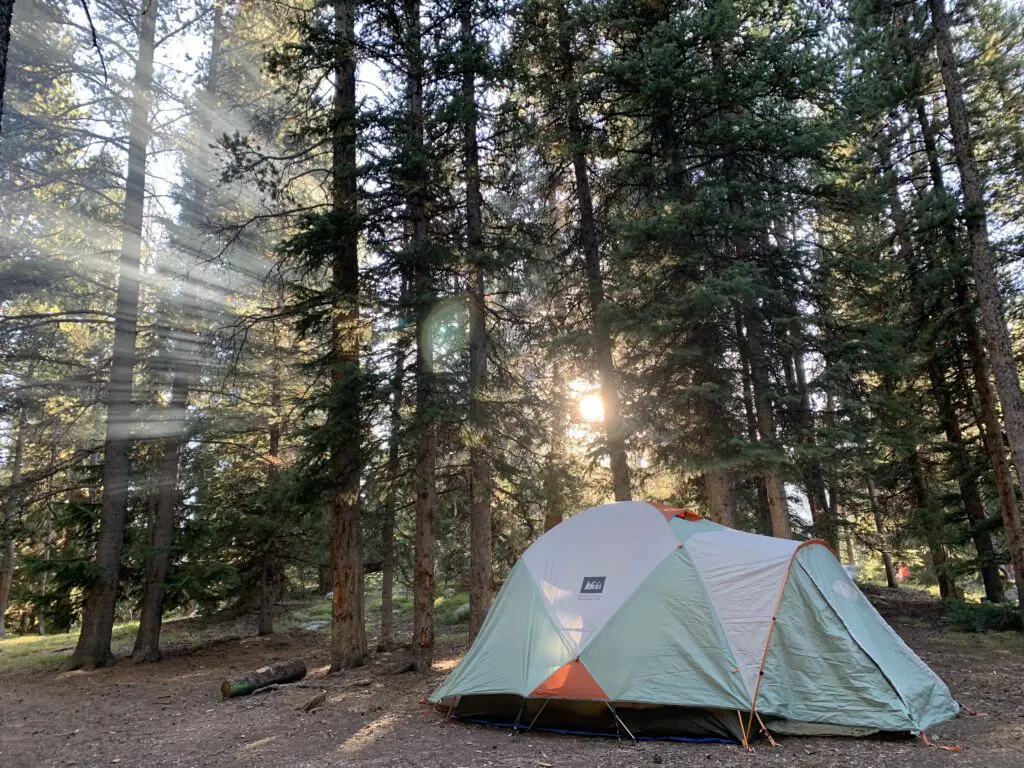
x: 983, y: 617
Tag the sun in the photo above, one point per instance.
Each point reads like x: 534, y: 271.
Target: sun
x: 592, y: 408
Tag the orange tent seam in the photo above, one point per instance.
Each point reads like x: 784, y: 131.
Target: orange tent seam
x: 670, y: 512
x: 771, y: 627
x: 571, y: 681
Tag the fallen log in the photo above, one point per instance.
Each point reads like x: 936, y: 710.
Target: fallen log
x: 285, y: 672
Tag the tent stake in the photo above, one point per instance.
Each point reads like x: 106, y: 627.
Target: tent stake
x: 515, y: 726
x: 619, y: 721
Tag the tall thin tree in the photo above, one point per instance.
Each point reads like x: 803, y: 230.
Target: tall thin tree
x: 348, y: 625
x: 993, y: 313
x: 479, y: 471
x: 93, y: 648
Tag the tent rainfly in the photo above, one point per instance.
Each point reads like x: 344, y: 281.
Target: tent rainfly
x: 645, y: 619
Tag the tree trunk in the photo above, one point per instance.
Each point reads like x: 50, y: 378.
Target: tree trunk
x: 890, y: 571
x: 777, y: 503
x: 992, y: 431
x: 426, y: 498
x: 966, y: 476
x: 933, y: 528
x: 270, y: 586
x: 967, y: 480
x: 993, y: 439
x: 348, y: 626
x: 270, y: 577
x: 709, y: 383
x: 986, y: 280
x: 554, y: 463
x: 6, y: 16
x: 10, y: 512
x: 426, y: 445
x: 147, y: 640
x: 814, y: 479
x: 44, y: 579
x: 281, y: 673
x: 93, y: 648
x: 851, y: 557
x: 720, y: 504
x: 387, y: 616
x: 600, y: 329
x: 479, y: 470
x: 763, y: 508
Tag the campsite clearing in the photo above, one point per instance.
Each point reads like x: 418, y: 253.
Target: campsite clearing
x: 171, y: 714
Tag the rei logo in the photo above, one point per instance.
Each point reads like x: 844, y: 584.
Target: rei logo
x: 592, y: 585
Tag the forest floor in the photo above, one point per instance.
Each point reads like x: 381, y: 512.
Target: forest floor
x: 171, y: 713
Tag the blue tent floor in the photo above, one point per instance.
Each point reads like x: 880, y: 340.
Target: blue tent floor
x: 602, y: 734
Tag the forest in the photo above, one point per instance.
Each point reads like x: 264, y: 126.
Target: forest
x: 357, y: 299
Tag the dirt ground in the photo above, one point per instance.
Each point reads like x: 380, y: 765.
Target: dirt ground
x: 171, y: 714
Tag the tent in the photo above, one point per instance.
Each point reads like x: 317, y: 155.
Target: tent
x: 641, y: 619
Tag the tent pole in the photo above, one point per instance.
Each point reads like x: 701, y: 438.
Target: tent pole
x: 619, y: 721
x: 537, y: 715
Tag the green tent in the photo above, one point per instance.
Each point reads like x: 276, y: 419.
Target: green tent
x: 648, y: 620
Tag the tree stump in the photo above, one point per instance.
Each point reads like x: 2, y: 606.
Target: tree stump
x: 285, y: 672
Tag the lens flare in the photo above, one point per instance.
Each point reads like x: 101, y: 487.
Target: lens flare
x: 446, y: 332
x: 592, y: 408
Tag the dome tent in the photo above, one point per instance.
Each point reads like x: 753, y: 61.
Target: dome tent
x: 655, y: 619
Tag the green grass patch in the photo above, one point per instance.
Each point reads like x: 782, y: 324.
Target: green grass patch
x: 451, y: 609
x: 35, y: 652
x: 26, y: 652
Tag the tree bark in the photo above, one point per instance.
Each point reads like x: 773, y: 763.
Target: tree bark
x: 967, y: 481
x: 992, y: 431
x: 276, y: 674
x: 426, y: 445
x: 814, y: 480
x: 44, y: 579
x: 6, y: 16
x: 387, y: 587
x: 876, y: 515
x: 709, y: 383
x: 931, y: 523
x: 270, y: 577
x: 992, y: 436
x: 600, y: 329
x: 479, y: 469
x: 270, y: 585
x: 554, y: 462
x: 348, y: 626
x: 777, y: 503
x: 426, y: 498
x: 965, y: 476
x: 147, y: 640
x: 720, y: 503
x: 764, y: 511
x: 10, y: 512
x: 993, y: 314
x: 93, y: 648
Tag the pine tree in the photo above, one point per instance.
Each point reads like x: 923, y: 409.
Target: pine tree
x: 98, y: 611
x: 348, y: 630
x: 479, y: 471
x: 989, y: 298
